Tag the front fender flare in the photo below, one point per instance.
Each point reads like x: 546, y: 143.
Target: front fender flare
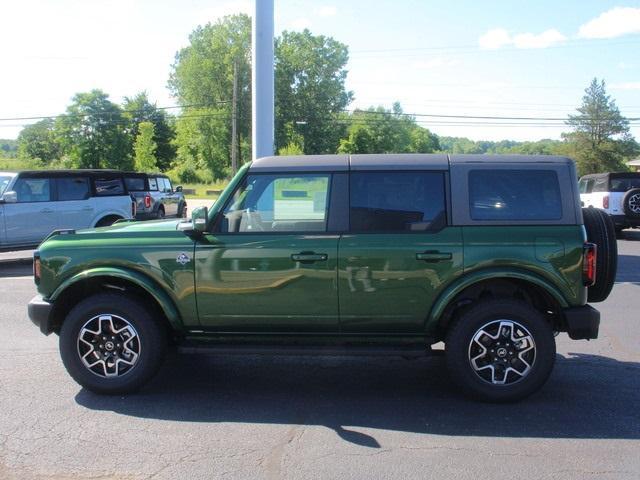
x: 491, y: 274
x: 141, y: 280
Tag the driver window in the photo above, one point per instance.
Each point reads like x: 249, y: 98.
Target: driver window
x: 278, y: 203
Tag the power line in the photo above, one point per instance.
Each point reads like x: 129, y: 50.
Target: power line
x: 99, y: 114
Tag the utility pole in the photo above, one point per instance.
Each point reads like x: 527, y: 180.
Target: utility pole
x: 234, y: 121
x: 262, y: 126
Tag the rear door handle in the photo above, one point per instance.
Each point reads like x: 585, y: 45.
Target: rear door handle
x: 433, y: 256
x: 88, y: 209
x: 309, y: 257
x: 46, y: 210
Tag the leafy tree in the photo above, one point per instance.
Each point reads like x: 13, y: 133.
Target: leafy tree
x: 377, y: 130
x: 145, y: 148
x: 138, y: 109
x: 310, y: 79
x: 202, y: 80
x: 39, y: 141
x: 93, y: 133
x: 600, y: 140
x: 8, y: 148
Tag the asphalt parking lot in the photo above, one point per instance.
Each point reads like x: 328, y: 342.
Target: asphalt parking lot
x: 321, y: 418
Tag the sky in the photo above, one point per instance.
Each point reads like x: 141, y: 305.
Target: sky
x: 458, y: 58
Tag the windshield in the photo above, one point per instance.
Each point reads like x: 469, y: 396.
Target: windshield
x: 4, y: 182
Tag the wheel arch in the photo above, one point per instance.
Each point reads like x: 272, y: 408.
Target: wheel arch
x: 508, y: 283
x: 72, y: 290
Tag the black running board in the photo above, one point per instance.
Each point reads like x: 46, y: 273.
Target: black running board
x: 313, y: 350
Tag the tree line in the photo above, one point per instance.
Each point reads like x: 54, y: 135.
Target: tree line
x: 211, y: 80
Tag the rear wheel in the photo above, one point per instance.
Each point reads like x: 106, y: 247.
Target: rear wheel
x: 160, y: 212
x: 602, y: 231
x: 108, y: 221
x: 110, y: 344
x: 500, y: 350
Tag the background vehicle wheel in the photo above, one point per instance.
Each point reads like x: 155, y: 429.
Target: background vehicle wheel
x: 500, y: 350
x: 108, y: 221
x: 110, y: 344
x: 182, y: 211
x: 160, y: 213
x: 631, y: 203
x: 602, y: 231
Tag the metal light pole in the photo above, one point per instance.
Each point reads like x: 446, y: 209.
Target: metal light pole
x: 262, y: 134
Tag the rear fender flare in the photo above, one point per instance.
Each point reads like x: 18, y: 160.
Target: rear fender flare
x: 479, y: 276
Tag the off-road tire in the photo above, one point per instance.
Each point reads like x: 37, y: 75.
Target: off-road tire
x: 108, y: 221
x: 458, y: 349
x: 152, y: 341
x: 631, y: 199
x: 602, y: 231
x: 160, y: 214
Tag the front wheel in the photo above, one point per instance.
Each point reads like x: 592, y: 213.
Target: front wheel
x: 500, y: 350
x: 110, y: 344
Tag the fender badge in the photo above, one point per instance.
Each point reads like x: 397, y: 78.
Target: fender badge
x: 183, y: 259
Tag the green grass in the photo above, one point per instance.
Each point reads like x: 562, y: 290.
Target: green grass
x: 15, y: 164
x: 201, y: 189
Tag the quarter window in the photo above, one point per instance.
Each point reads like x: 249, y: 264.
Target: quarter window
x: 33, y: 190
x: 525, y: 195
x: 397, y: 201
x: 73, y: 188
x: 109, y: 186
x: 278, y: 203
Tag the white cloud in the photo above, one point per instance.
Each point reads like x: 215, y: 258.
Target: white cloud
x: 434, y: 63
x: 626, y: 86
x: 542, y: 40
x: 300, y: 23
x: 499, y: 37
x: 495, y: 38
x: 625, y: 66
x: 326, y: 11
x: 613, y: 23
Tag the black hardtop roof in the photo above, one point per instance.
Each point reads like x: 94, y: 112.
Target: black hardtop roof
x: 390, y: 161
x: 80, y: 171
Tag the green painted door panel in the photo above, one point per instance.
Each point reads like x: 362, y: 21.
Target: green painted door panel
x: 388, y: 282
x: 267, y: 283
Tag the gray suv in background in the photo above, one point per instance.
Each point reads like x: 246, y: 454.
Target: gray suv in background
x: 35, y: 203
x: 155, y: 197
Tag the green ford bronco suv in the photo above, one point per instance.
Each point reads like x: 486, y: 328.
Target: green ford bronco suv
x: 361, y: 254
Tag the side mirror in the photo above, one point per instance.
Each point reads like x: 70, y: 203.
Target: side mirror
x: 10, y: 197
x: 179, y: 188
x: 200, y: 218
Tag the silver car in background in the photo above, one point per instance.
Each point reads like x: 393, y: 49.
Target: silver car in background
x: 35, y: 203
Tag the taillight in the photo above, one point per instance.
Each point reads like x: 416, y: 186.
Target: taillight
x: 589, y: 256
x: 605, y: 201
x: 147, y: 201
x: 36, y: 267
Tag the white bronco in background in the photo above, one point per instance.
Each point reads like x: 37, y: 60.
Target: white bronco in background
x: 35, y: 203
x: 618, y: 194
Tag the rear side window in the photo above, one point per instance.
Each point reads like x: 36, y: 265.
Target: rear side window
x: 106, y: 186
x: 523, y: 195
x: 397, y: 201
x: 134, y: 184
x: 73, y: 188
x: 601, y: 184
x: 624, y: 184
x: 153, y: 183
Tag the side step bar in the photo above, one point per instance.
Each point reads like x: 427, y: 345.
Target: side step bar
x: 314, y: 350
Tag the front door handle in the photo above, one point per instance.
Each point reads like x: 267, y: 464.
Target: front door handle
x: 46, y: 210
x: 309, y: 257
x: 433, y: 256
